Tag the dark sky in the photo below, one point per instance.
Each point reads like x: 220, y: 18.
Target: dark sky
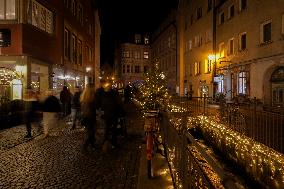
x: 120, y: 19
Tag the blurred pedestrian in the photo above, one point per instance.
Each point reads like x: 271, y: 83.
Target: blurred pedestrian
x: 107, y: 100
x: 127, y: 94
x: 30, y: 104
x: 76, y: 106
x: 65, y: 98
x: 51, y: 108
x: 88, y: 115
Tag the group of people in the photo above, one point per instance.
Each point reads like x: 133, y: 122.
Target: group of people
x: 83, y: 107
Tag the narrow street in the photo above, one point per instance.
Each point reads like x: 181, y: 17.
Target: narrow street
x: 58, y: 161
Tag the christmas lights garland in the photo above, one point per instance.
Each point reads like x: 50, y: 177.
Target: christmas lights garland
x: 262, y: 163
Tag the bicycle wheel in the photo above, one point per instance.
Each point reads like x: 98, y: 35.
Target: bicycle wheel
x: 150, y: 169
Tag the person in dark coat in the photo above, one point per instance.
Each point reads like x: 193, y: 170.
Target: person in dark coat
x: 30, y: 104
x: 127, y: 94
x: 107, y: 100
x: 65, y: 98
x: 76, y: 106
x: 88, y: 114
x: 51, y: 108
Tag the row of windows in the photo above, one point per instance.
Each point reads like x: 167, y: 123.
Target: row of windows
x: 73, y: 48
x: 207, y: 67
x: 265, y: 37
x: 136, y: 54
x: 134, y: 69
x: 76, y: 9
x: 231, y: 11
x: 168, y: 43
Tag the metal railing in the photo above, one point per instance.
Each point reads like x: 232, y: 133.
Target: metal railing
x: 263, y: 126
x: 187, y: 169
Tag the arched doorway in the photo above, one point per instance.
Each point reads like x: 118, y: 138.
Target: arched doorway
x: 277, y: 87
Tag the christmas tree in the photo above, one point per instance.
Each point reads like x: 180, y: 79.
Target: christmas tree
x: 154, y: 93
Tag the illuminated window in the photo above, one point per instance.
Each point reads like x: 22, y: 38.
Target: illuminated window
x: 125, y: 54
x: 220, y: 84
x: 146, y: 54
x: 242, y: 83
x: 7, y: 9
x: 265, y: 32
x: 207, y: 66
x: 196, y: 68
x: 242, y: 41
x: 41, y: 17
x: 222, y: 50
x: 67, y: 43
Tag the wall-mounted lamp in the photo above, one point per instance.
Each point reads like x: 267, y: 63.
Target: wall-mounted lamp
x: 88, y: 69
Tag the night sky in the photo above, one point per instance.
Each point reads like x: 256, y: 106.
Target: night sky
x: 120, y: 19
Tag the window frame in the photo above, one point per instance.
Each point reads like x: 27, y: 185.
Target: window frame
x: 242, y: 83
x: 5, y: 8
x: 230, y: 15
x: 262, y: 32
x: 241, y: 42
x: 231, y: 47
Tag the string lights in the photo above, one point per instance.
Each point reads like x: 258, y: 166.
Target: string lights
x: 262, y: 163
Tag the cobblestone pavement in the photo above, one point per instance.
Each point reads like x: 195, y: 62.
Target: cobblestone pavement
x: 58, y: 161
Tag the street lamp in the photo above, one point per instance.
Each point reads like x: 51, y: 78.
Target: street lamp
x: 213, y: 58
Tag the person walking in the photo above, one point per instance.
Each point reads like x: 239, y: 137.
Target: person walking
x: 88, y: 114
x: 76, y: 107
x: 51, y: 108
x: 65, y: 98
x: 30, y: 104
x: 107, y: 100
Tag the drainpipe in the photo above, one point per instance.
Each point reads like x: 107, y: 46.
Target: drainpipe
x: 214, y: 46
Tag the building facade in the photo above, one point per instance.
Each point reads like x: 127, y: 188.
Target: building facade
x: 133, y: 60
x: 164, y: 50
x: 46, y: 44
x: 251, y: 52
x: 234, y: 47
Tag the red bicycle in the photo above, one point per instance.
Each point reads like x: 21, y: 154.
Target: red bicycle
x: 151, y: 128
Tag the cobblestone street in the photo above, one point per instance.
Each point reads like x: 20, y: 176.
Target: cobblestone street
x: 58, y: 161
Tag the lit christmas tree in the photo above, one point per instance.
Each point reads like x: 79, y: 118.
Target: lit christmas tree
x: 154, y: 93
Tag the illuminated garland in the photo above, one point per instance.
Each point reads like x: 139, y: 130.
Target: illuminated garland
x: 262, y: 163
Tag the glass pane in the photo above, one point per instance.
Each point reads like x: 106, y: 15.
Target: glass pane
x: 10, y: 9
x: 2, y: 12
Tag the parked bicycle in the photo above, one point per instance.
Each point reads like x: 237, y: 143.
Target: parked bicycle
x: 151, y: 128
